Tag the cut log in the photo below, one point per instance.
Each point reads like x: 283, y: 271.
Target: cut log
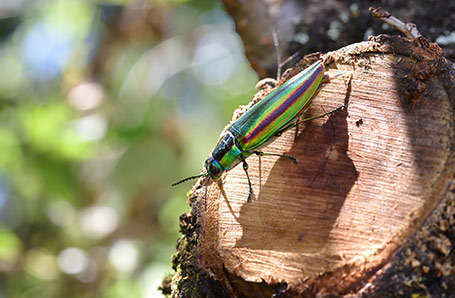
x: 366, y: 179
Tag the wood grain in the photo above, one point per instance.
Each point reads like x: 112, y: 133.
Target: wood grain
x: 365, y: 180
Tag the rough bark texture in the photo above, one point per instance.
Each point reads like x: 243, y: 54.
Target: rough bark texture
x: 348, y: 218
x: 320, y: 26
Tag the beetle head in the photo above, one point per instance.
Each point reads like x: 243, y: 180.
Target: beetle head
x: 213, y: 167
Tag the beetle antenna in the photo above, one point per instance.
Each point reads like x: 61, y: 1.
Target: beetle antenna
x: 276, y: 43
x: 290, y: 58
x: 280, y: 62
x: 190, y: 178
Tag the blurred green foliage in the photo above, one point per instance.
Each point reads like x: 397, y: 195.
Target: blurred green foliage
x: 102, y: 106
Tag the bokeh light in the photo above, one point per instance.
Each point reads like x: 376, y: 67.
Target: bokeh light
x: 103, y: 105
x: 124, y: 256
x: 98, y: 221
x: 73, y: 261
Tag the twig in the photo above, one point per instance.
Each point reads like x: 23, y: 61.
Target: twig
x: 408, y: 29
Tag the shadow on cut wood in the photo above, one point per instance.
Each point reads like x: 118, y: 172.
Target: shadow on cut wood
x: 279, y: 220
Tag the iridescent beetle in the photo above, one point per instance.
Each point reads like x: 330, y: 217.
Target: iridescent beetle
x: 264, y: 122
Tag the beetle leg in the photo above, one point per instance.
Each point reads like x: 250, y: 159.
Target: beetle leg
x: 320, y: 116
x: 281, y: 131
x: 284, y: 129
x: 250, y: 191
x: 326, y: 79
x: 265, y: 83
x: 260, y: 153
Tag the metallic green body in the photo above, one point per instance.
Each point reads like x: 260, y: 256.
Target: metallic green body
x: 255, y: 128
x: 261, y: 123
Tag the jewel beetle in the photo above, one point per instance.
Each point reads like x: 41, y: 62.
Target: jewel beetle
x: 265, y: 121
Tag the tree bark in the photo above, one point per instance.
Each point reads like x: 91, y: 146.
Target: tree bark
x: 320, y: 26
x: 348, y: 218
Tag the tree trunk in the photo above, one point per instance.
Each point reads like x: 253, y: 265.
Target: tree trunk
x: 348, y: 218
x: 320, y: 26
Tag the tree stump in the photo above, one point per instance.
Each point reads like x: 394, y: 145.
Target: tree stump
x: 348, y: 217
